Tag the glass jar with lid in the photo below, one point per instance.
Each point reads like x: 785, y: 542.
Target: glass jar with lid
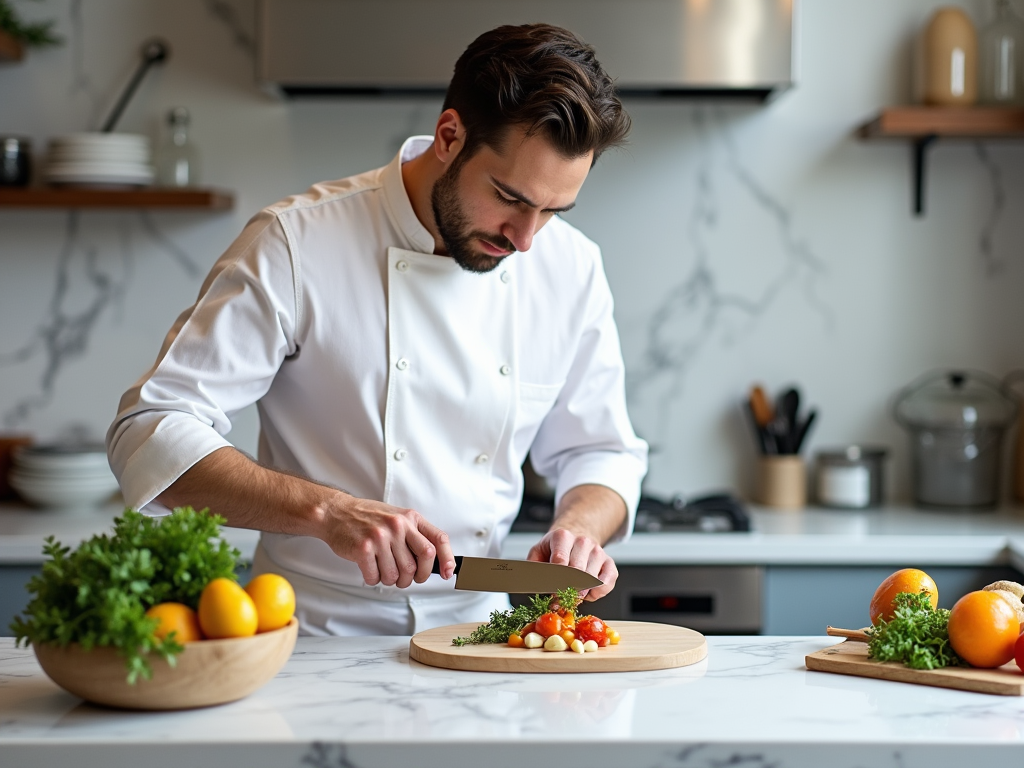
x: 956, y: 421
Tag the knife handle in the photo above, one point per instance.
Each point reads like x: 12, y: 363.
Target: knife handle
x: 436, y: 567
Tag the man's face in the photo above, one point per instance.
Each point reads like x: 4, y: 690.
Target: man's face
x: 493, y: 203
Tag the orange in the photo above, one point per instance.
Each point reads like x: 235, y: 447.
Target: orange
x: 225, y: 610
x: 983, y: 629
x: 274, y: 599
x: 905, y: 580
x: 176, y: 618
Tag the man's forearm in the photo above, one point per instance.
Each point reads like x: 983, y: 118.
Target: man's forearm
x: 248, y: 495
x: 594, y: 511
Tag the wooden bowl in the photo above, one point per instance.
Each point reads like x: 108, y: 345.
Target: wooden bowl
x: 208, y: 671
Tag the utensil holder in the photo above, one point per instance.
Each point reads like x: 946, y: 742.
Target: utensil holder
x: 782, y: 482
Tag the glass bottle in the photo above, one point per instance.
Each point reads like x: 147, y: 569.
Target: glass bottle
x: 177, y: 160
x: 1002, y: 54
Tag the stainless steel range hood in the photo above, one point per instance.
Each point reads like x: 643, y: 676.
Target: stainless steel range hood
x: 702, y: 48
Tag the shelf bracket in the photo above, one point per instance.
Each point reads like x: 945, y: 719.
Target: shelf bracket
x: 920, y: 149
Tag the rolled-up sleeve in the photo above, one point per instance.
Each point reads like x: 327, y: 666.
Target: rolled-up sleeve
x: 220, y: 356
x: 587, y: 437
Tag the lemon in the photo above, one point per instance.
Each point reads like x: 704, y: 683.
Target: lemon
x: 226, y: 610
x: 274, y: 599
x: 176, y: 618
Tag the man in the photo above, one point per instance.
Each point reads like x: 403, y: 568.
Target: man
x: 397, y: 350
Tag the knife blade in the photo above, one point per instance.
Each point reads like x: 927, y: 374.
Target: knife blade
x: 491, y: 574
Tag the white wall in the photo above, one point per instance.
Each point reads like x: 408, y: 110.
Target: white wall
x: 743, y: 243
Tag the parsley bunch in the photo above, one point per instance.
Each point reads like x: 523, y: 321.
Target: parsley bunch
x: 98, y: 594
x: 917, y: 635
x: 504, y: 623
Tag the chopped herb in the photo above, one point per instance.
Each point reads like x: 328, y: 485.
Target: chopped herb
x: 504, y: 623
x: 917, y: 635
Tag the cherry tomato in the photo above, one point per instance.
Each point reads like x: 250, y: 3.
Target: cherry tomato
x: 604, y: 642
x: 613, y: 636
x: 568, y: 620
x: 515, y: 640
x: 549, y: 624
x: 531, y: 627
x: 590, y: 628
x: 1018, y: 652
x: 568, y: 636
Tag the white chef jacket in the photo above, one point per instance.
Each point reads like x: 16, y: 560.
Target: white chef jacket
x: 388, y: 371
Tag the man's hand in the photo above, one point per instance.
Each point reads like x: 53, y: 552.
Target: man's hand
x: 587, y: 515
x: 391, y: 545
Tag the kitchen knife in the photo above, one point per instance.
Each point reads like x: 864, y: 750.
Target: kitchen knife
x: 490, y: 574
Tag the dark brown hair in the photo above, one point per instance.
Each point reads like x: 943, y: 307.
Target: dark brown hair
x: 543, y: 78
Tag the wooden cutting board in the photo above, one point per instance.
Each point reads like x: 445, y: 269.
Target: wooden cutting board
x: 644, y: 645
x: 851, y: 658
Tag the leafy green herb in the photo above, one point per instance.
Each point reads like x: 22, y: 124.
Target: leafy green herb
x: 98, y: 594
x: 39, y: 34
x: 504, y: 623
x: 917, y: 635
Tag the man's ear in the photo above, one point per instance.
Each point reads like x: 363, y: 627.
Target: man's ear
x: 449, y: 136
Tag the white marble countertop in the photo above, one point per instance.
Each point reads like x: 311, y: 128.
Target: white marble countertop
x: 361, y: 703
x: 889, y: 536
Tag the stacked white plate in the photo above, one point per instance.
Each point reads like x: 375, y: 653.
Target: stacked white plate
x: 100, y: 159
x: 62, y: 475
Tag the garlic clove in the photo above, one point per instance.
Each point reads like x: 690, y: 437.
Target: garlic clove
x: 533, y: 640
x: 577, y: 646
x: 555, y: 643
x: 590, y: 646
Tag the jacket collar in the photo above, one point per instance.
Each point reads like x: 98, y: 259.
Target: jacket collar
x: 399, y: 206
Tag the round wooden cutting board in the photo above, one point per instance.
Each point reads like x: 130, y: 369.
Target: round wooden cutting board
x: 644, y: 645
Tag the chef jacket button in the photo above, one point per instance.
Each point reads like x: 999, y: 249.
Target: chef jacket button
x: 402, y: 265
x: 505, y: 370
x: 505, y: 277
x: 402, y: 364
x: 481, y: 533
x: 400, y: 454
x: 483, y: 458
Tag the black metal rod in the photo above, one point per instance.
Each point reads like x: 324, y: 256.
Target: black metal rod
x: 920, y: 155
x: 154, y: 51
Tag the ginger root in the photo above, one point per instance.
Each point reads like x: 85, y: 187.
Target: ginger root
x: 1012, y: 593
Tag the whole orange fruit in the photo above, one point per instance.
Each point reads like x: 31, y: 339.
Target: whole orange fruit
x: 225, y: 610
x: 906, y: 580
x: 176, y: 618
x: 274, y: 599
x: 983, y: 629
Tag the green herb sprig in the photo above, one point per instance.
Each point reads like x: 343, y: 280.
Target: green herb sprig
x: 98, y: 594
x: 917, y: 635
x: 504, y: 623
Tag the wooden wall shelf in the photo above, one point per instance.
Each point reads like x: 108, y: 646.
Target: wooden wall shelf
x: 923, y: 126
x: 10, y: 49
x: 79, y: 197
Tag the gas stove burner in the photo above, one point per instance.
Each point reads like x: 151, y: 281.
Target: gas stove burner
x: 718, y: 513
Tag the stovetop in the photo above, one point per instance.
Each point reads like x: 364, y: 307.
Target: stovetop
x: 718, y: 513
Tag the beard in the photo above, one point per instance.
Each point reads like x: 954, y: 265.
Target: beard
x: 453, y: 225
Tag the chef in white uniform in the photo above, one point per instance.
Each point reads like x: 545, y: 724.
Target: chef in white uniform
x: 408, y: 335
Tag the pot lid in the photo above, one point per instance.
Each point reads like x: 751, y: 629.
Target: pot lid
x: 954, y: 400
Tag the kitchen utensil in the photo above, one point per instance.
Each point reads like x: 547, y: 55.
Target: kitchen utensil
x: 782, y: 482
x: 15, y: 161
x: 859, y: 635
x: 950, y: 47
x: 850, y: 477
x: 803, y: 429
x: 956, y: 421
x: 644, y: 646
x: 490, y: 574
x: 207, y: 672
x: 154, y: 51
x: 761, y: 436
x: 789, y: 407
x: 760, y: 406
x: 851, y: 658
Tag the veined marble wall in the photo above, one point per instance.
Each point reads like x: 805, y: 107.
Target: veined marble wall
x: 743, y: 243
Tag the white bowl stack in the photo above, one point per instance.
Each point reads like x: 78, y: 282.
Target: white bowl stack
x: 62, y: 475
x: 100, y: 159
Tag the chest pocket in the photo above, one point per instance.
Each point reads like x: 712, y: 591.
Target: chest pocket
x: 535, y: 402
